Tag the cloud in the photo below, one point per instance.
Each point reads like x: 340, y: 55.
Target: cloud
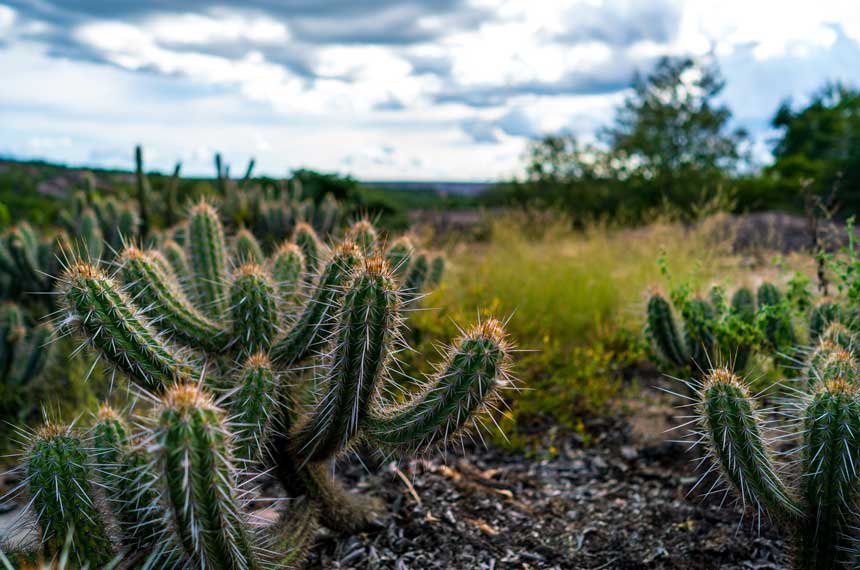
x: 389, y: 88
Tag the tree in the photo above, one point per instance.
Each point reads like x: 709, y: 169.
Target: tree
x: 820, y: 143
x: 670, y: 144
x: 671, y: 136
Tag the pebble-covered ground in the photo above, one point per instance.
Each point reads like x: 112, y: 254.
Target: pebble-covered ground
x: 620, y: 502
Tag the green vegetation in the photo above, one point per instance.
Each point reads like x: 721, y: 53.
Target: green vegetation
x: 237, y: 374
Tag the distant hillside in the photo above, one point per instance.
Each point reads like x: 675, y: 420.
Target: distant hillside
x: 441, y: 188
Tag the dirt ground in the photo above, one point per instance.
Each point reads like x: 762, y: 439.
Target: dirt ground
x: 619, y: 502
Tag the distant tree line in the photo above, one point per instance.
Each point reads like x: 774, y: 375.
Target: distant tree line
x: 671, y: 148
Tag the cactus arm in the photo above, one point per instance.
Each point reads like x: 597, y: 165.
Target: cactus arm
x: 820, y: 317
x: 142, y: 191
x: 437, y: 270
x: 367, y: 324
x: 311, y: 325
x: 30, y: 354
x: 699, y: 336
x: 253, y: 306
x: 178, y: 261
x: 193, y: 450
x: 474, y: 369
x: 417, y: 275
x: 247, y: 248
x: 743, y: 304
x: 150, y: 286
x: 664, y: 332
x: 363, y: 234
x: 252, y: 407
x: 114, y: 326
x: 58, y: 478
x: 306, y: 238
x: 829, y: 480
x: 208, y: 256
x: 287, y: 268
x: 399, y: 255
x: 731, y: 426
x: 125, y: 476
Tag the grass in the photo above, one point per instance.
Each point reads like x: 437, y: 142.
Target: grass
x: 574, y: 301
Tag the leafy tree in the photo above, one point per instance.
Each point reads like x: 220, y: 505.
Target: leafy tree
x: 670, y: 145
x: 820, y: 143
x: 671, y: 137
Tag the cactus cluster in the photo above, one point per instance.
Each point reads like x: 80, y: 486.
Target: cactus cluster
x: 819, y: 509
x: 716, y: 330
x: 28, y: 261
x: 24, y: 352
x: 242, y: 364
x: 100, y: 224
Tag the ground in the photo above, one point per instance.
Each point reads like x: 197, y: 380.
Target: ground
x: 622, y: 500
x: 619, y: 502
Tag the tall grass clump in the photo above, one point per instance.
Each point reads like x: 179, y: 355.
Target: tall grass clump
x: 578, y: 299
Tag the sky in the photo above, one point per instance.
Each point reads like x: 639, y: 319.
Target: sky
x: 381, y: 89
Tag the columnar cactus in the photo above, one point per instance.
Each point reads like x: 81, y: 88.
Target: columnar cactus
x: 28, y: 261
x: 241, y: 373
x: 820, y: 510
x: 716, y: 332
x: 24, y: 352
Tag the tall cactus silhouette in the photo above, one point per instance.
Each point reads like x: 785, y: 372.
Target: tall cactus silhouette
x: 819, y: 509
x: 244, y: 369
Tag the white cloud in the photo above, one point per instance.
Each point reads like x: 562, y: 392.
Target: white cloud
x: 250, y: 82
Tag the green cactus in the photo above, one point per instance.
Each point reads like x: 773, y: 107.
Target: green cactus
x: 24, y: 353
x: 287, y: 268
x: 419, y: 269
x: 207, y: 251
x: 142, y: 187
x: 437, y: 269
x: 820, y: 317
x: 363, y: 234
x: 399, y: 255
x: 247, y: 248
x: 178, y: 260
x: 58, y: 476
x: 193, y: 452
x: 663, y: 331
x: 312, y: 249
x: 820, y: 509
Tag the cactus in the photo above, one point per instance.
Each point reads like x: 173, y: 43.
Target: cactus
x: 58, y: 475
x: 142, y: 188
x: 208, y: 254
x: 399, y: 255
x: 363, y: 234
x: 312, y: 249
x: 229, y: 393
x: 247, y: 248
x: 715, y: 332
x: 24, y: 353
x: 27, y: 262
x: 819, y: 510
